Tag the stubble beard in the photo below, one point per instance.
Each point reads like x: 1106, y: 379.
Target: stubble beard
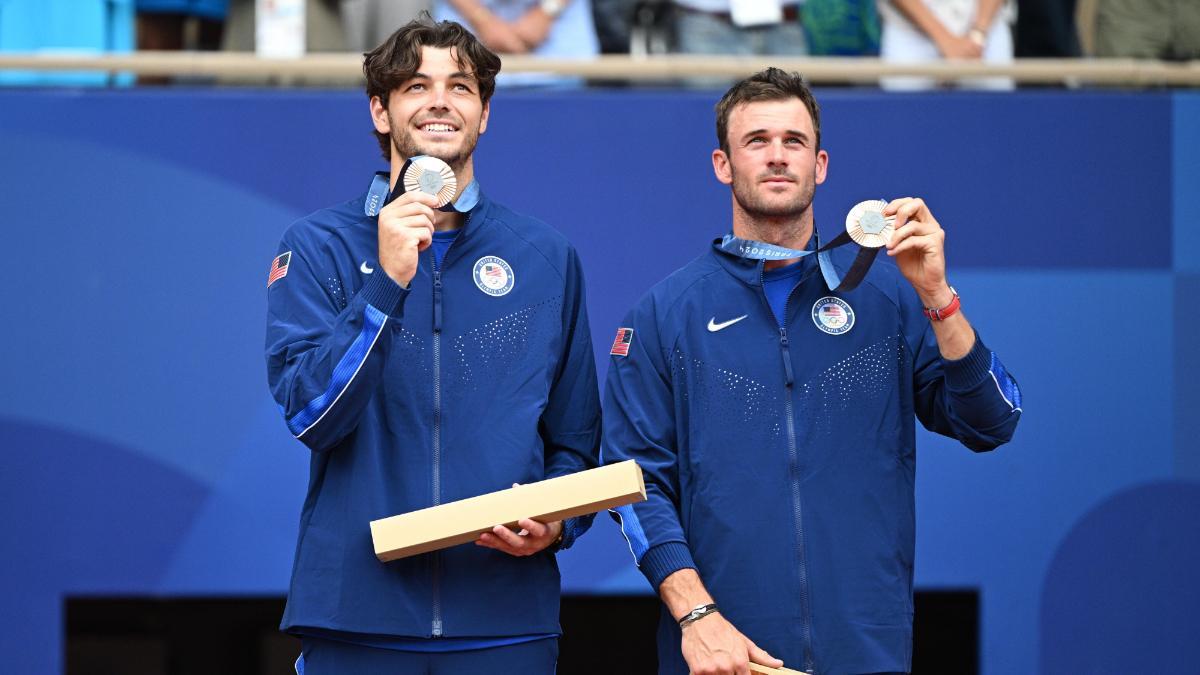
x: 758, y: 208
x: 407, y: 145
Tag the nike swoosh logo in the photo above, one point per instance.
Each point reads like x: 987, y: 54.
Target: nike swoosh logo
x: 364, y: 269
x: 713, y: 326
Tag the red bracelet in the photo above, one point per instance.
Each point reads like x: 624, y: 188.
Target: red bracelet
x: 936, y: 314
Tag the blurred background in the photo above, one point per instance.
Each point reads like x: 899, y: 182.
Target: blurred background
x: 153, y: 152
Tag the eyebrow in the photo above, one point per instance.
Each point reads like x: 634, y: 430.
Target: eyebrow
x: 789, y: 132
x: 456, y: 75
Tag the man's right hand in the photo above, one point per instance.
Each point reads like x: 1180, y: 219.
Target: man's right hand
x: 405, y: 229
x: 712, y: 646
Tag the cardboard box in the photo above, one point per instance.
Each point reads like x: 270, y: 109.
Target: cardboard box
x: 767, y: 670
x: 463, y: 521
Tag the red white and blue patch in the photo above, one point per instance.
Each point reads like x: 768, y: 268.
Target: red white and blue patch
x: 493, y: 275
x: 279, y: 267
x: 833, y: 315
x: 621, y: 344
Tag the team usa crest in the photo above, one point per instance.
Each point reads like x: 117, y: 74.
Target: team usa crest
x: 833, y: 315
x: 493, y: 275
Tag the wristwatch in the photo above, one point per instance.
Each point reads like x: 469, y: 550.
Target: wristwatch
x: 697, y: 613
x: 553, y: 8
x: 943, y: 313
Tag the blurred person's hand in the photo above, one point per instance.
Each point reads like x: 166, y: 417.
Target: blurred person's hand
x: 534, y: 27
x: 499, y: 35
x: 960, y: 47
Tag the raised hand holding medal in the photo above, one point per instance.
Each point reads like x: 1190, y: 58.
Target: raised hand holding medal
x: 406, y: 218
x: 918, y: 245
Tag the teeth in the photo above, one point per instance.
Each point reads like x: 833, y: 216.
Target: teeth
x: 438, y: 127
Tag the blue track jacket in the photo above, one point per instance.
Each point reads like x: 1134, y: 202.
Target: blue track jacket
x: 779, y: 462
x: 480, y: 375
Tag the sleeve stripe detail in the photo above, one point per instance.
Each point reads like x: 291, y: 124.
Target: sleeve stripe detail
x: 343, y: 374
x: 1008, y: 389
x: 631, y: 529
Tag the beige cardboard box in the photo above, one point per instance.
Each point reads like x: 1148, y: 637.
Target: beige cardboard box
x: 767, y: 670
x: 549, y: 500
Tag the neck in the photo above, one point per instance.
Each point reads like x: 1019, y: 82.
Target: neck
x: 463, y: 175
x: 792, y: 231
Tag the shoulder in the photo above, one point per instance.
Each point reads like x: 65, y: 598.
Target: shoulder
x: 549, y: 242
x: 672, y: 292
x: 317, y: 227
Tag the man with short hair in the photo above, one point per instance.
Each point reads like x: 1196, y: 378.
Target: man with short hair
x: 773, y: 416
x: 427, y: 355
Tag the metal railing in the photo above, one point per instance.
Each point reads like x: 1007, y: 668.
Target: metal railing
x: 346, y: 68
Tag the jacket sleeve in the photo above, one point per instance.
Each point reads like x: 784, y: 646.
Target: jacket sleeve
x: 973, y: 399
x: 325, y: 357
x: 570, y: 423
x: 639, y: 424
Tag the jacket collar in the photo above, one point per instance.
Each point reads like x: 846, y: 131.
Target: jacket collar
x: 748, y: 270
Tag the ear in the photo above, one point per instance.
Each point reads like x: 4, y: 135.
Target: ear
x: 721, y: 166
x: 483, y: 118
x: 379, y: 116
x: 822, y: 166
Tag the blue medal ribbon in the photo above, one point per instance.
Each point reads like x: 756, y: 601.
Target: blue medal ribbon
x: 759, y: 250
x: 379, y: 195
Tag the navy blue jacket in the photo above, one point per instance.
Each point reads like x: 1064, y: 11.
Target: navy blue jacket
x: 780, y: 462
x: 480, y: 375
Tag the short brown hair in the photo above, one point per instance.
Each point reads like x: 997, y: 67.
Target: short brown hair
x: 395, y: 61
x: 771, y: 84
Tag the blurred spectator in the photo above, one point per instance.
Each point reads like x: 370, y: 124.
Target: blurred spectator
x: 367, y: 23
x: 919, y: 31
x: 322, y: 27
x: 841, y: 27
x: 552, y: 28
x: 614, y: 23
x: 172, y: 25
x: 741, y: 27
x: 1148, y: 29
x: 1046, y: 29
x: 77, y: 26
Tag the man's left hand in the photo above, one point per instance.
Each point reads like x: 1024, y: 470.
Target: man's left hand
x: 918, y: 245
x: 533, y: 537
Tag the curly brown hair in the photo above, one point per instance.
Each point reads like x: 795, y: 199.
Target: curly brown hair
x: 395, y: 61
x: 771, y: 84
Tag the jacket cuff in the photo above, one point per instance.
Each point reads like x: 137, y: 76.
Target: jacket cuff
x: 970, y: 370
x: 572, y: 528
x: 384, y: 294
x: 663, y: 560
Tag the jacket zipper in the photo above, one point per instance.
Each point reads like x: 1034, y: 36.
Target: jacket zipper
x: 794, y: 459
x: 436, y: 628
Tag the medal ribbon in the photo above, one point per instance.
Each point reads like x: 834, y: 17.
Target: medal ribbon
x: 758, y: 250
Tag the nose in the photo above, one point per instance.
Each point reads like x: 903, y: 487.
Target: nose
x: 776, y: 156
x: 438, y: 101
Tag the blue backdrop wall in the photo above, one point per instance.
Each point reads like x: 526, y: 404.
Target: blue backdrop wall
x: 140, y: 452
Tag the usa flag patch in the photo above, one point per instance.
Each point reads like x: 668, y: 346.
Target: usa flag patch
x: 621, y: 344
x: 279, y: 268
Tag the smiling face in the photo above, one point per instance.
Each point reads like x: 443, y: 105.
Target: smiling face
x: 772, y: 164
x: 437, y: 112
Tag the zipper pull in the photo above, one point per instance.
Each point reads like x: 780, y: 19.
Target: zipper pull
x: 787, y: 356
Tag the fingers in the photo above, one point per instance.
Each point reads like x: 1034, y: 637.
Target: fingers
x: 533, y: 528
x: 925, y: 242
x: 760, y: 656
x: 533, y: 537
x: 906, y: 209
